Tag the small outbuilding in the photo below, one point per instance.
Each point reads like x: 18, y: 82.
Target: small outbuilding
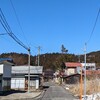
x: 20, y: 74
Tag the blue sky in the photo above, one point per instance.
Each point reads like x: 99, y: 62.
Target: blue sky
x: 51, y: 23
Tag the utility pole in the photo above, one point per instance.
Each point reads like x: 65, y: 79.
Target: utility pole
x: 79, y: 58
x: 81, y: 82
x: 39, y: 55
x: 85, y: 72
x: 28, y: 70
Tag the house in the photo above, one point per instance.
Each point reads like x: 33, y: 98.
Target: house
x: 89, y: 66
x: 5, y: 74
x: 20, y: 74
x: 48, y: 74
x: 72, y: 68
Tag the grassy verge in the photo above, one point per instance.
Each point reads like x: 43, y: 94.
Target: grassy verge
x: 92, y: 86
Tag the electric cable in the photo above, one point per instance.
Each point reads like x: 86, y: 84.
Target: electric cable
x: 18, y: 21
x: 94, y: 26
x: 9, y: 31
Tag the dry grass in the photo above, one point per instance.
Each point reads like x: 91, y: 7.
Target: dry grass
x: 92, y: 86
x: 74, y: 89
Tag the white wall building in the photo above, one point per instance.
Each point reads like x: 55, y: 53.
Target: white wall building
x: 19, y: 78
x: 89, y: 66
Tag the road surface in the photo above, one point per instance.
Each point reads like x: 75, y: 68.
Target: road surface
x: 55, y: 92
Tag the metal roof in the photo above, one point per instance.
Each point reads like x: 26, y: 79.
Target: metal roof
x: 6, y: 62
x: 73, y: 64
x: 6, y: 59
x: 24, y: 69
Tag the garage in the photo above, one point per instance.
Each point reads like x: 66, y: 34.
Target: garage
x: 20, y: 77
x: 17, y: 83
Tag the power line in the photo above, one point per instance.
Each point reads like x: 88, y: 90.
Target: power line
x: 18, y: 19
x: 94, y: 26
x: 9, y: 31
x: 85, y: 52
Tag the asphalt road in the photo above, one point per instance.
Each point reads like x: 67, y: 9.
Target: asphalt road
x: 55, y: 92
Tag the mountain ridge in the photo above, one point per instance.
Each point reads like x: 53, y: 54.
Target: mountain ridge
x: 52, y: 60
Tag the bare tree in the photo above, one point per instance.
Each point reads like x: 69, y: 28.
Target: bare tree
x: 63, y: 49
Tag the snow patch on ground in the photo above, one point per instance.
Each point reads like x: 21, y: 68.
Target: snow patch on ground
x: 92, y: 97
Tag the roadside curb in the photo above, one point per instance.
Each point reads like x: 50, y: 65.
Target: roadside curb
x: 31, y: 98
x: 42, y: 92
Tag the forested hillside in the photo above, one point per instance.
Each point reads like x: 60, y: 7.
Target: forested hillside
x: 52, y: 60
